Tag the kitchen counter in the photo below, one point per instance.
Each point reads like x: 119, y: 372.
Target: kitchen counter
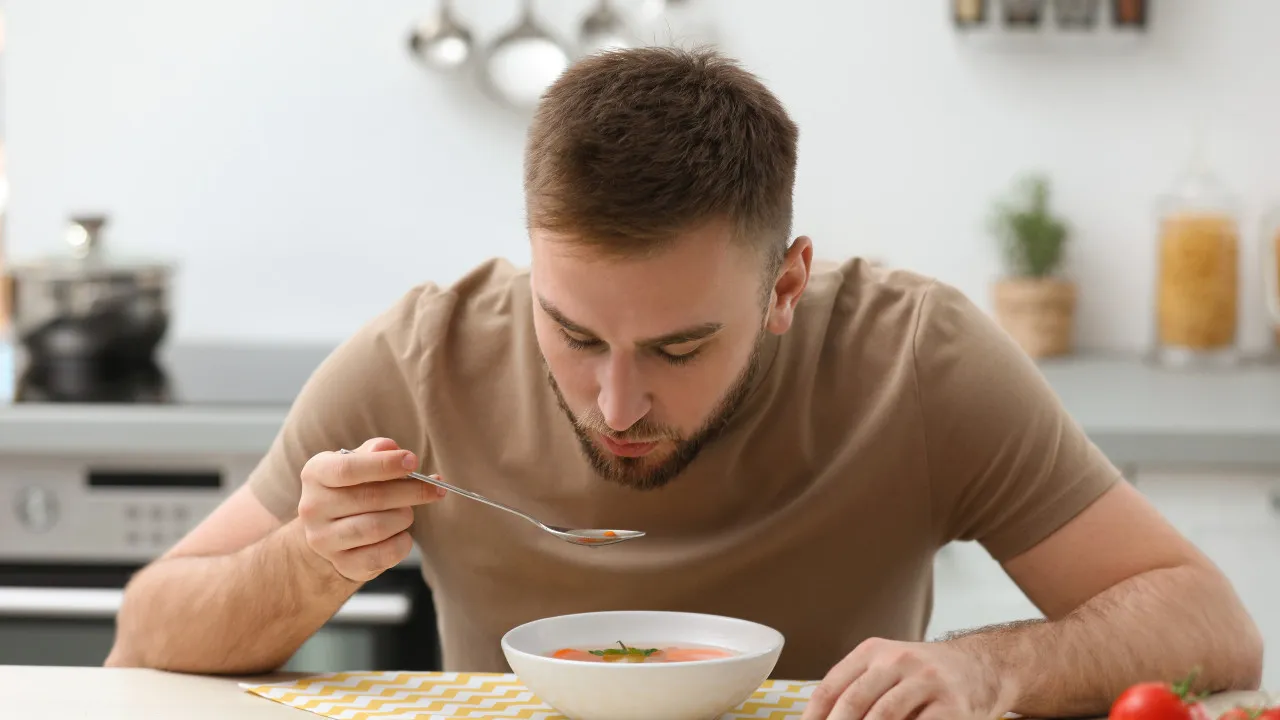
x: 40, y: 693
x: 1138, y: 414
x: 216, y: 399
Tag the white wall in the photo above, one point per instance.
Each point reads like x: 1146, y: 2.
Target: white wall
x: 304, y: 171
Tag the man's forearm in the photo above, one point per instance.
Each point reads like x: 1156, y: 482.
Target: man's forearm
x: 242, y: 613
x: 1160, y: 625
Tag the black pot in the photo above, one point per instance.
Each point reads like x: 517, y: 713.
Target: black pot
x: 87, y: 308
x: 97, y: 381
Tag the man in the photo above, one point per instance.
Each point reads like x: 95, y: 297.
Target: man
x: 796, y: 441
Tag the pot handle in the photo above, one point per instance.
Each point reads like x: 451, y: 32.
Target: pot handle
x: 62, y: 603
x: 84, y: 234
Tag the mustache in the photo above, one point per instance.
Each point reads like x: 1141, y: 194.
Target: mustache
x: 592, y: 420
x: 643, y: 430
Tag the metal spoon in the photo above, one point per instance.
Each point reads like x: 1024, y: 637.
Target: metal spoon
x: 603, y: 29
x: 521, y: 63
x: 442, y: 41
x: 579, y: 536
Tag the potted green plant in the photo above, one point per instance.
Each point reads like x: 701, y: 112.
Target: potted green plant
x: 1033, y: 302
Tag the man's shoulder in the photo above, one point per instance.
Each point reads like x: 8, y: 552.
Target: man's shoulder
x: 866, y: 290
x: 472, y: 321
x: 857, y: 305
x: 484, y: 298
x: 868, y: 298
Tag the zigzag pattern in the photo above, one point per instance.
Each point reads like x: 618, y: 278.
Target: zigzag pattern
x: 471, y: 696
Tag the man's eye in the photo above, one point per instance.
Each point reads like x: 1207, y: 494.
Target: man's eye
x: 678, y: 355
x: 578, y: 343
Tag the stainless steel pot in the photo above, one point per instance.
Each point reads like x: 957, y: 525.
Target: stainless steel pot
x: 85, y: 307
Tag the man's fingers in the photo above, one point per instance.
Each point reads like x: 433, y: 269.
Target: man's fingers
x: 369, y: 561
x: 386, y: 495
x: 378, y: 444
x: 936, y: 711
x: 901, y: 702
x: 865, y: 691
x: 827, y: 694
x: 366, y: 529
x: 838, y: 678
x: 347, y: 469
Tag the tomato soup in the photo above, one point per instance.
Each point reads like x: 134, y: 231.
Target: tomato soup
x: 652, y: 653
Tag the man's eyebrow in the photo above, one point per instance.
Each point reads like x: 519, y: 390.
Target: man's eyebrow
x: 559, y: 317
x: 690, y: 334
x: 697, y: 332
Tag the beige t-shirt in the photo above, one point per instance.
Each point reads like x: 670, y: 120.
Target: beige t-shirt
x: 892, y: 418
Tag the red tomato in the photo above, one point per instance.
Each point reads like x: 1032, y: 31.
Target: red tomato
x: 1272, y: 714
x: 1237, y: 713
x: 1151, y: 701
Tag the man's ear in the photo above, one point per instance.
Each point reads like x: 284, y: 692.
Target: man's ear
x: 790, y: 285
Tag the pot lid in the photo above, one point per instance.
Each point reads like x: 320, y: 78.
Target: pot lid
x: 88, y: 258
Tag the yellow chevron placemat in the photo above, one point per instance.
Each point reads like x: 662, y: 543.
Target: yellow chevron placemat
x: 455, y: 696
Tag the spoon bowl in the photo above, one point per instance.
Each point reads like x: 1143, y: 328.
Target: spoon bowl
x: 594, y: 538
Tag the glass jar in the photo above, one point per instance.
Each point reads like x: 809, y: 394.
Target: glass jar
x: 1269, y: 260
x: 1198, y: 271
x: 6, y: 285
x: 969, y: 13
x: 1076, y: 14
x: 1129, y: 13
x: 1023, y: 13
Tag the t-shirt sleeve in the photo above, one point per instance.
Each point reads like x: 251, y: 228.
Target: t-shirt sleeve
x: 368, y: 387
x: 1008, y: 465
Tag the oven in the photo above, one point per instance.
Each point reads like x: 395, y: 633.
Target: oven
x: 73, y: 528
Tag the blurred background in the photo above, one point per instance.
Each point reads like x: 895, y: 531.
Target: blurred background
x: 201, y: 199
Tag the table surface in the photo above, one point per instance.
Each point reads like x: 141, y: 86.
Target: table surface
x: 40, y: 693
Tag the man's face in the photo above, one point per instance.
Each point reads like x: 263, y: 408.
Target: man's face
x: 650, y: 356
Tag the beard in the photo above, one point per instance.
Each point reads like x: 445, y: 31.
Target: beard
x: 641, y: 473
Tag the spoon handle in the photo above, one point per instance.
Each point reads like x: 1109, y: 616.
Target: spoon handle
x: 433, y: 480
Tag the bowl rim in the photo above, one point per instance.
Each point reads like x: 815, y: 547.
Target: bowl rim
x: 775, y: 646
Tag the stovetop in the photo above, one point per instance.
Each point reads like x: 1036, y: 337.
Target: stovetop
x: 206, y: 374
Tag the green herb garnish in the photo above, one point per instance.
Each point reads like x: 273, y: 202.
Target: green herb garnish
x: 623, y: 651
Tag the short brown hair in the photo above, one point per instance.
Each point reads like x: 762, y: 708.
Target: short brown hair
x: 630, y: 147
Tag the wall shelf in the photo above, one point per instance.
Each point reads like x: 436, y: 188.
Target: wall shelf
x: 1053, y: 25
x: 1050, y: 40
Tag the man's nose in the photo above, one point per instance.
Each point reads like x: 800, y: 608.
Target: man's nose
x: 623, y: 398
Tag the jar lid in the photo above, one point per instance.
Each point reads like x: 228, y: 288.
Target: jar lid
x: 1198, y: 187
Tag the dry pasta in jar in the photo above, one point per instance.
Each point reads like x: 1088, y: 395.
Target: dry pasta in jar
x: 1198, y: 283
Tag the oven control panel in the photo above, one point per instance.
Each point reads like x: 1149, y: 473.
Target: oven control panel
x: 105, y: 509
x: 37, y: 508
x: 157, y: 525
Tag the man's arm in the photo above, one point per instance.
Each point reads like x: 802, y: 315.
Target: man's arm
x: 209, y: 608
x: 260, y: 575
x: 238, y: 595
x: 1127, y: 599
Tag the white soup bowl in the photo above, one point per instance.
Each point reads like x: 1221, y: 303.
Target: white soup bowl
x: 689, y: 690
